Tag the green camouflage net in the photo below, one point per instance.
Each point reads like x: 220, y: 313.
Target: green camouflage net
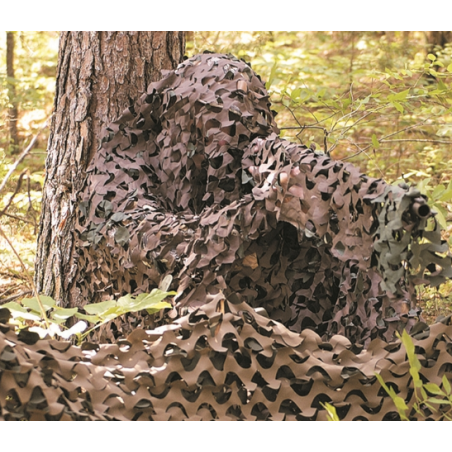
x: 193, y: 184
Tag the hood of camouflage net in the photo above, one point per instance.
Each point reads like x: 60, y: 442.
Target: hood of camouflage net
x: 194, y: 183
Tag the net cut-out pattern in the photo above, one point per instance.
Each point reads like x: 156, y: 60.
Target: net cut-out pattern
x: 221, y: 362
x: 193, y: 183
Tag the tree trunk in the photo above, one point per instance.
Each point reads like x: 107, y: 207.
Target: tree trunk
x: 13, y: 110
x: 99, y: 75
x: 438, y: 39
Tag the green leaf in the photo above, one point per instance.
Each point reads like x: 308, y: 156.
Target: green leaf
x: 63, y: 313
x: 99, y: 308
x: 397, y: 106
x: 446, y: 196
x: 272, y: 76
x: 433, y: 389
x: 14, y: 307
x: 32, y: 303
x: 400, y: 404
x: 375, y: 142
x: 449, y: 68
x: 437, y: 191
x: 440, y: 217
x: 446, y: 384
x: 400, y: 96
x: 331, y: 410
x: 440, y: 402
x: 295, y: 94
x: 431, y: 57
x: 88, y: 318
x: 158, y: 307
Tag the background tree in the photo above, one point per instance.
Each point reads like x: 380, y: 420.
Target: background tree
x: 99, y: 75
x: 12, y: 113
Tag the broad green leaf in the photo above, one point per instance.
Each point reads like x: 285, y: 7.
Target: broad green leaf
x: 433, y: 389
x: 63, y: 313
x: 400, y: 404
x: 331, y: 410
x: 26, y: 316
x: 33, y: 304
x: 375, y: 142
x: 98, y: 308
x: 128, y: 300
x: 397, y: 106
x: 431, y: 57
x: 14, y: 307
x: 401, y: 96
x: 272, y: 76
x: 158, y: 307
x: 295, y: 94
x: 89, y: 318
x: 446, y: 196
x: 440, y: 402
x: 446, y: 384
x: 440, y: 217
x: 438, y: 191
x: 449, y: 68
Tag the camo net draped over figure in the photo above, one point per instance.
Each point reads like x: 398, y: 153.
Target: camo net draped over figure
x: 194, y: 182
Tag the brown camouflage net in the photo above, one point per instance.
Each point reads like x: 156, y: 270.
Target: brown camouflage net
x: 221, y: 362
x: 193, y: 183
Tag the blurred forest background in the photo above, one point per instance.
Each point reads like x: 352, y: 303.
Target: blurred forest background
x: 381, y: 100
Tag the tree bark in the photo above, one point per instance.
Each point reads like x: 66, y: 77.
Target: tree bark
x: 99, y: 75
x: 13, y: 110
x: 437, y: 39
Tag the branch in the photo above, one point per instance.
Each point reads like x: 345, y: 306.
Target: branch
x: 18, y: 218
x: 22, y: 156
x: 384, y: 138
x: 13, y: 297
x: 302, y: 127
x: 19, y: 184
x: 416, y: 141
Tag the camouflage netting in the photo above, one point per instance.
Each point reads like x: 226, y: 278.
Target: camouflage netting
x: 193, y: 183
x: 221, y: 362
x: 286, y: 264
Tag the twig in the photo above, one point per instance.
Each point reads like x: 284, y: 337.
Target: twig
x: 416, y: 141
x: 303, y: 127
x: 368, y: 156
x: 30, y: 279
x: 19, y: 218
x: 19, y: 184
x: 9, y: 289
x: 382, y: 139
x: 22, y: 156
x: 13, y: 297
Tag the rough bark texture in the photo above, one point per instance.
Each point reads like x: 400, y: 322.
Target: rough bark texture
x: 13, y: 111
x: 99, y: 73
x: 437, y: 39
